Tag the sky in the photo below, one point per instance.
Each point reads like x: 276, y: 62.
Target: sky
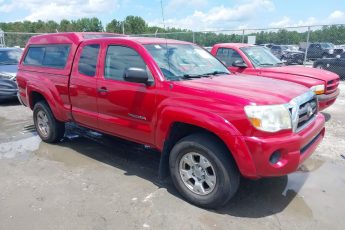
x: 196, y: 15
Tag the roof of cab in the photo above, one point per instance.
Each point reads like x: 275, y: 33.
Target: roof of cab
x: 150, y: 40
x: 77, y: 37
x: 237, y: 45
x: 69, y: 37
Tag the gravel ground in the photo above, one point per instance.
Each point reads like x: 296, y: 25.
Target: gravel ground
x: 92, y: 181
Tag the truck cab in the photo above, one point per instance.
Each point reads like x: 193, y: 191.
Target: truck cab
x: 210, y: 126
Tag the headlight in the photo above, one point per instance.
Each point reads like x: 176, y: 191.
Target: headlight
x: 7, y: 76
x: 318, y: 89
x: 269, y: 118
x: 331, y: 51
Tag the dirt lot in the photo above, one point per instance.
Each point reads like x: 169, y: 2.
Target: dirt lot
x: 92, y: 181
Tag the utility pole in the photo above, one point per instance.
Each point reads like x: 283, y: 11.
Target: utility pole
x: 306, y: 49
x: 123, y: 27
x: 2, y: 38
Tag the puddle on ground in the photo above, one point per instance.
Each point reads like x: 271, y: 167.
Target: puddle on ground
x: 21, y: 149
x: 71, y: 154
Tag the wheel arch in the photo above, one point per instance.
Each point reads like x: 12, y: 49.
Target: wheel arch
x: 215, y: 126
x: 35, y: 95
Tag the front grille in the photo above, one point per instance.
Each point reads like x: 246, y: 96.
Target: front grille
x: 303, y: 110
x: 332, y: 86
x: 338, y: 51
x: 306, y: 113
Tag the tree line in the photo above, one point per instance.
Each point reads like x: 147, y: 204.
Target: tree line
x: 132, y: 25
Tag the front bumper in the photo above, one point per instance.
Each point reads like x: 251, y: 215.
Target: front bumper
x: 294, y: 148
x: 8, y: 89
x: 326, y: 100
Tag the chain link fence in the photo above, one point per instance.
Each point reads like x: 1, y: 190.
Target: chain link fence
x: 320, y: 46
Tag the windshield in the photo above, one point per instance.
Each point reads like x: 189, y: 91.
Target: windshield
x: 10, y: 57
x: 293, y: 48
x: 284, y: 47
x: 178, y: 61
x: 327, y: 45
x: 261, y: 57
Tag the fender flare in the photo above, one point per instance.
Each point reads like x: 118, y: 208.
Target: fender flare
x: 52, y: 98
x: 215, y: 124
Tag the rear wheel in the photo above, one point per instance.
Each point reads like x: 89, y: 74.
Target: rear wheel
x: 203, y: 171
x: 320, y: 66
x: 48, y: 128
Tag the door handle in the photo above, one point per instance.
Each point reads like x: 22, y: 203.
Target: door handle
x: 102, y: 90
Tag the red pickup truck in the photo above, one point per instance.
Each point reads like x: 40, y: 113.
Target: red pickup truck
x: 257, y: 60
x: 210, y: 126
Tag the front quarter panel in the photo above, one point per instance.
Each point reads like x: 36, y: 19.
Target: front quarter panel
x: 211, y: 122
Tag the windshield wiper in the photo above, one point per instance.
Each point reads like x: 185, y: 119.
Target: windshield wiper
x: 191, y: 76
x: 217, y: 72
x: 266, y: 64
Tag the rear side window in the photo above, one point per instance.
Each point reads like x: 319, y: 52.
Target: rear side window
x: 120, y: 58
x: 53, y: 56
x: 88, y: 60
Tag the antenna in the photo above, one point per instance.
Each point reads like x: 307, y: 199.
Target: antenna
x: 162, y: 9
x: 165, y: 35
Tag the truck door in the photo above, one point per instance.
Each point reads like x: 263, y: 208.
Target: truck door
x: 83, y: 85
x: 125, y: 108
x: 228, y: 56
x: 311, y: 51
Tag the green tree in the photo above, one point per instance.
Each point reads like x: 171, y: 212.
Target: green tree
x: 114, y: 26
x: 135, y: 25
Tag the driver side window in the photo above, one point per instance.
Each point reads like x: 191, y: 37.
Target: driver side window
x: 228, y: 56
x: 119, y: 59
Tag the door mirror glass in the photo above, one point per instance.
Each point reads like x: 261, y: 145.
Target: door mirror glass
x: 137, y: 75
x: 240, y: 64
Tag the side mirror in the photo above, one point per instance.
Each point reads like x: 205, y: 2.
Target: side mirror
x: 240, y: 64
x: 137, y: 75
x: 338, y: 56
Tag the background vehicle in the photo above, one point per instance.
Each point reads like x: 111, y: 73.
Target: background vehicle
x: 256, y: 60
x: 288, y: 54
x: 176, y: 97
x: 322, y: 50
x: 267, y: 45
x: 9, y: 59
x: 335, y: 65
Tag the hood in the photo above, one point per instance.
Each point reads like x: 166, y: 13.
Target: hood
x: 9, y: 69
x: 309, y: 74
x: 258, y: 90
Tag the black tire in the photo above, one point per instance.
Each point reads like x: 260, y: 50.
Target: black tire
x: 56, y: 128
x: 320, y: 66
x: 217, y: 154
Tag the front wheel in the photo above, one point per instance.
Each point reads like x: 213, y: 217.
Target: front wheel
x: 48, y: 128
x: 203, y: 171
